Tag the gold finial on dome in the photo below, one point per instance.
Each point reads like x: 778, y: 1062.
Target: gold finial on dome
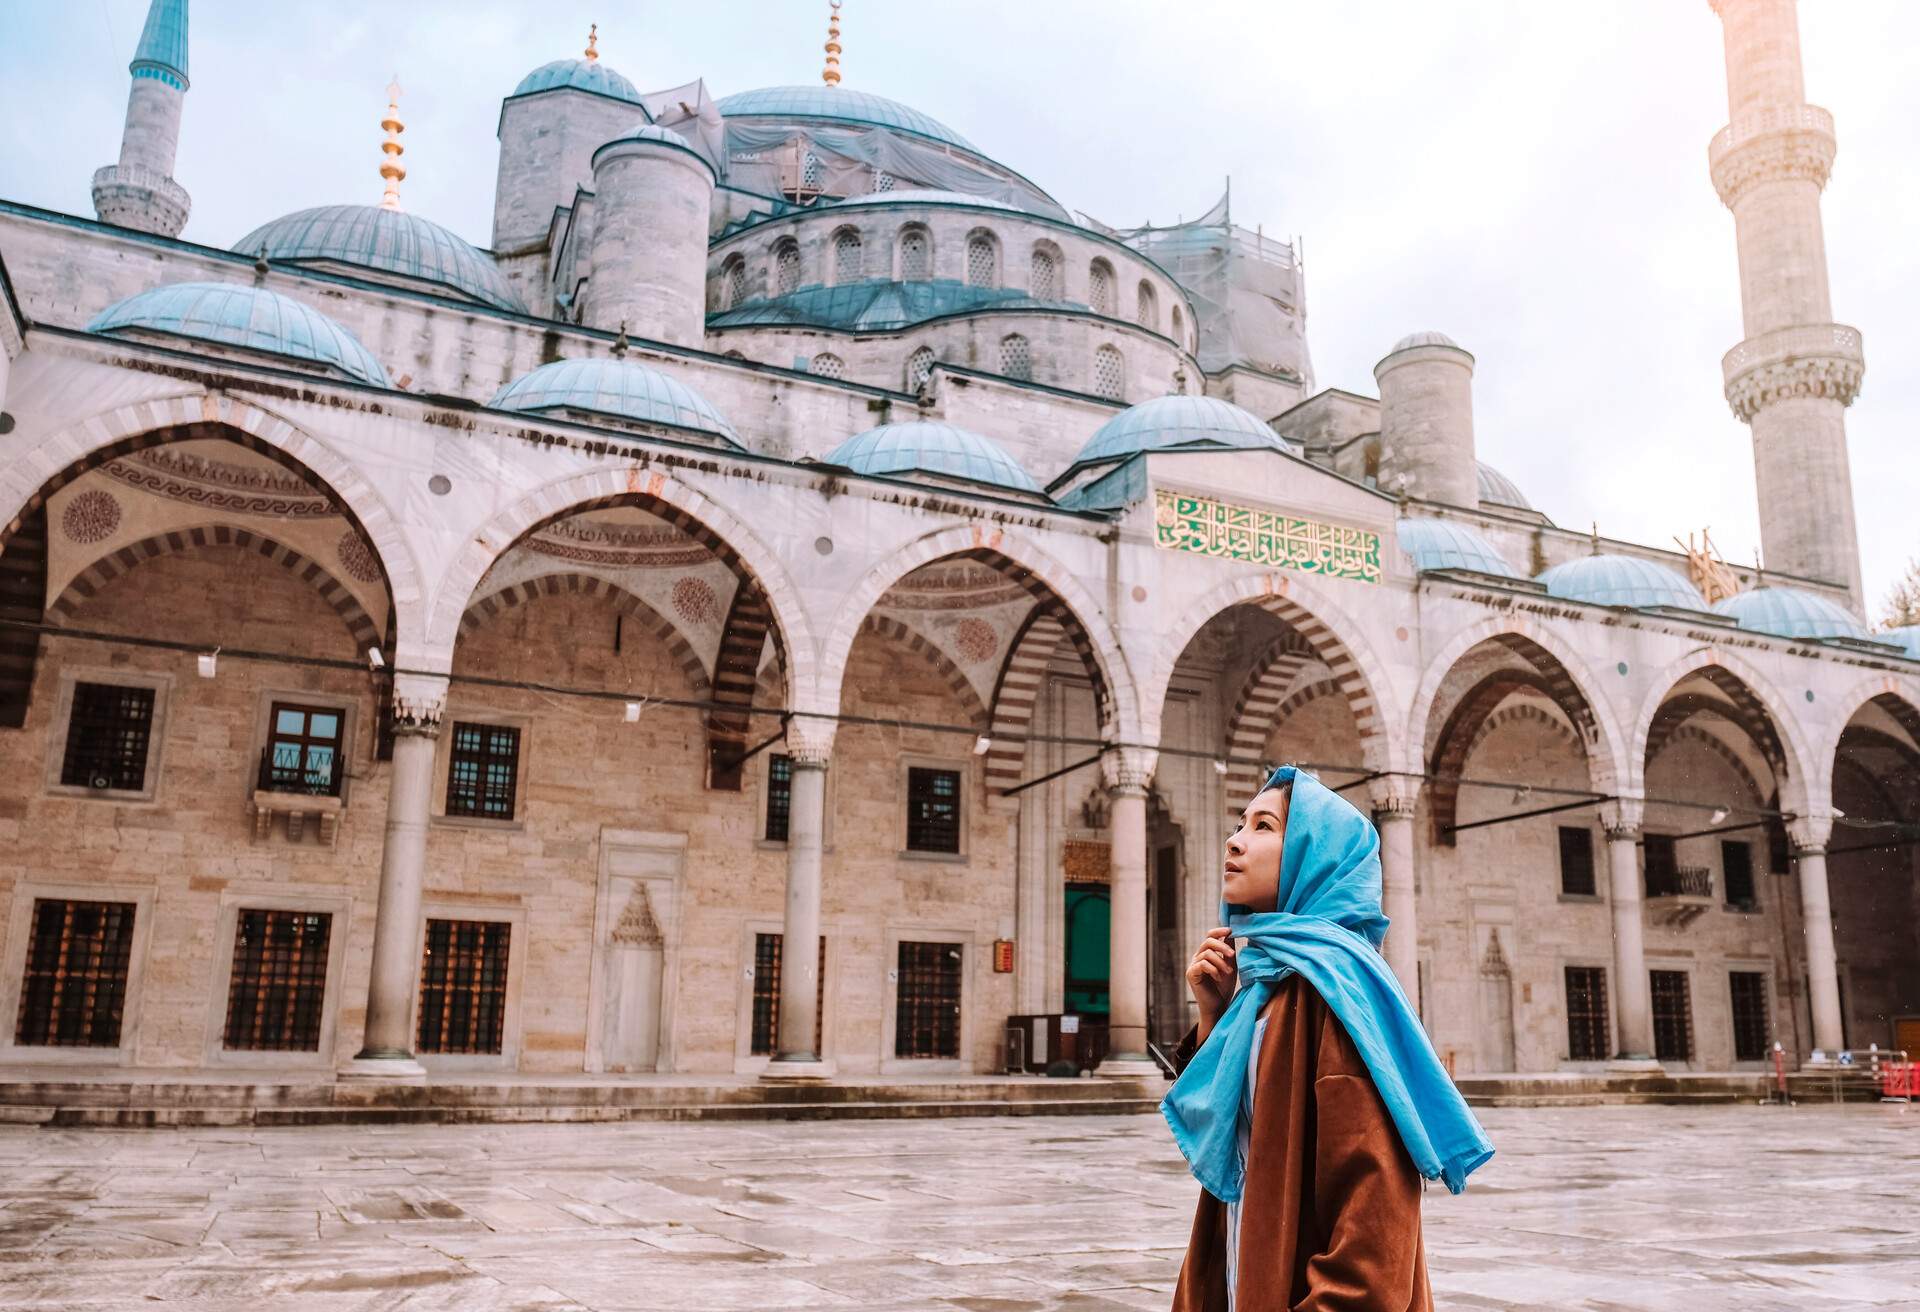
x: 390, y: 168
x: 593, y: 42
x: 831, y: 74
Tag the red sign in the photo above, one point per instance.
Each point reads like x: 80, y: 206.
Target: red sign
x: 1003, y: 956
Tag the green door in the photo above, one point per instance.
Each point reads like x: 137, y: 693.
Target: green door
x: 1089, y: 935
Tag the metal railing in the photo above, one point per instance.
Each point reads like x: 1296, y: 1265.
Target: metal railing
x: 291, y: 774
x: 1681, y: 881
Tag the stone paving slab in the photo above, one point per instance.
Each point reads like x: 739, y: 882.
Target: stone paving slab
x: 1597, y: 1208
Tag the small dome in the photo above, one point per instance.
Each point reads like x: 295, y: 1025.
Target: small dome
x: 252, y: 318
x: 580, y: 75
x: 1179, y: 423
x: 1609, y: 580
x: 1443, y: 544
x: 1496, y: 489
x: 1412, y: 340
x: 1791, y: 613
x: 1907, y: 635
x: 389, y: 240
x: 840, y: 105
x: 927, y: 447
x: 928, y: 196
x: 624, y: 389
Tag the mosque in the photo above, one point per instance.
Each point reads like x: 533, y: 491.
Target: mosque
x: 795, y: 525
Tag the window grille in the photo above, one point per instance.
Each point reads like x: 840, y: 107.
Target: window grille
x: 786, y: 267
x: 810, y: 173
x: 919, y: 368
x: 828, y: 365
x: 108, y: 736
x: 736, y: 284
x: 1044, y: 281
x: 926, y: 1017
x: 779, y: 797
x: 483, y: 771
x: 933, y: 810
x: 275, y: 1002
x: 916, y: 260
x: 1108, y: 374
x: 1576, y: 861
x: 1146, y: 311
x: 73, y: 992
x: 980, y: 262
x: 303, y: 751
x: 1586, y: 1013
x: 1100, y: 288
x: 883, y: 181
x: 766, y: 995
x: 1749, y: 1015
x: 1736, y: 872
x: 1672, y: 1017
x: 846, y: 256
x: 1016, y: 357
x: 463, y: 986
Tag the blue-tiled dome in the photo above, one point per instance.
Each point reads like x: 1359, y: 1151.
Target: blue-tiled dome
x: 838, y: 104
x: 1908, y: 636
x: 389, y: 240
x: 581, y: 75
x: 1791, y: 613
x: 927, y: 447
x: 624, y: 389
x: 1496, y: 489
x: 1443, y: 544
x: 252, y: 318
x: 1179, y: 423
x: 1621, y: 581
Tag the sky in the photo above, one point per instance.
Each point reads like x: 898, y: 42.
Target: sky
x: 1529, y: 178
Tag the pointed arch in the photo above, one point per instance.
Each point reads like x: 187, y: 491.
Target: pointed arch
x: 1752, y: 702
x: 885, y: 626
x: 1016, y: 693
x: 1256, y: 709
x: 488, y: 608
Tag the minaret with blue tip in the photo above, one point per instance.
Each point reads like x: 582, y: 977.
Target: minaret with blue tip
x: 139, y: 192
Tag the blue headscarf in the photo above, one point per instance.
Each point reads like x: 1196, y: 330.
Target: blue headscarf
x: 1329, y: 928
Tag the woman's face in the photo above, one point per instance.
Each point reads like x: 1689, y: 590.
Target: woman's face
x: 1253, y: 853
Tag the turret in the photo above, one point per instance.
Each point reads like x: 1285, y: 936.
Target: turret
x: 1426, y: 420
x: 139, y: 191
x: 652, y: 194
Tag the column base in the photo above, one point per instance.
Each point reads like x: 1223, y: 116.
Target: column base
x: 402, y: 1068
x: 797, y: 1072
x: 1128, y: 1066
x: 1630, y: 1065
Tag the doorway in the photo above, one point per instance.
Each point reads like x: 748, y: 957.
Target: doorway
x: 1089, y: 942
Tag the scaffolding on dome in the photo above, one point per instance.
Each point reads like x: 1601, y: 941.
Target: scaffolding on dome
x: 1248, y: 294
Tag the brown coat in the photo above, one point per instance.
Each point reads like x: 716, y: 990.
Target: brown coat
x: 1330, y: 1215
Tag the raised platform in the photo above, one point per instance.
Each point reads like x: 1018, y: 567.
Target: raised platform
x: 1582, y: 1089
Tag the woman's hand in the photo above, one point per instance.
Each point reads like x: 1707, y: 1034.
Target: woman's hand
x: 1210, y: 978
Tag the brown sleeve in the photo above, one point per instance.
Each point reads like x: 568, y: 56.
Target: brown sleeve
x: 1184, y: 1050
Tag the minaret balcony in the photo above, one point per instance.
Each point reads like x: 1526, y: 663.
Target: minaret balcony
x: 1822, y: 360
x: 134, y: 196
x: 1780, y: 142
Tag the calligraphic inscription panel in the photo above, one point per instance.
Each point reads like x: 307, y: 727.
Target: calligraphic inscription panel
x: 1183, y: 522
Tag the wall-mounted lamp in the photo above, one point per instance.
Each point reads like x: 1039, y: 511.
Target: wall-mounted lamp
x: 375, y: 661
x: 633, y: 711
x: 982, y: 745
x: 209, y: 663
x: 1219, y: 767
x: 1719, y: 814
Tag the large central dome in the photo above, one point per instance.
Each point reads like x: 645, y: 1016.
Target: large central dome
x: 841, y: 106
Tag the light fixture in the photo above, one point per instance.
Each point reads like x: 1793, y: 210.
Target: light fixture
x: 982, y: 745
x: 1838, y: 814
x: 633, y: 711
x: 1219, y: 767
x: 375, y: 660
x: 1719, y: 814
x: 209, y: 663
x: 1523, y: 792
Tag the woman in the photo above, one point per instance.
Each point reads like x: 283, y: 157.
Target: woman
x: 1310, y: 1103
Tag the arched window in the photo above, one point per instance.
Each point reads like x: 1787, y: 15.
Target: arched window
x: 1179, y: 327
x: 810, y: 173
x: 1016, y: 357
x: 786, y: 266
x: 1100, y: 287
x: 983, y: 261
x: 919, y: 368
x: 1043, y: 280
x: 828, y: 365
x: 1109, y: 374
x: 916, y: 255
x: 1147, y: 311
x: 733, y: 282
x: 846, y: 256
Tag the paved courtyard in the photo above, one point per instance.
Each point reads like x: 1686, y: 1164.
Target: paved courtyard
x: 1597, y: 1208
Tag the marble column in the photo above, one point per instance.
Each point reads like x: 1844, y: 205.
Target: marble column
x: 809, y: 744
x: 1809, y: 835
x: 1128, y: 772
x: 1632, y: 988
x: 1395, y: 799
x: 387, y: 1050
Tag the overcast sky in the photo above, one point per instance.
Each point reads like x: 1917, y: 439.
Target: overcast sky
x: 1527, y: 177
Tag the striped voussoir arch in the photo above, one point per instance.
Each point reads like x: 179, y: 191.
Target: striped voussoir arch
x: 1695, y: 736
x: 736, y: 673
x: 586, y: 585
x: 1256, y: 712
x: 1036, y: 587
x: 1342, y: 668
x: 1740, y: 708
x: 885, y: 626
x: 1523, y: 714
x: 1458, y: 734
x: 366, y: 634
x: 1016, y: 694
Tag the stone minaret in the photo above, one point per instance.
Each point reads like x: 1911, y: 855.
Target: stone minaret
x: 1794, y: 376
x: 1426, y: 420
x: 139, y: 192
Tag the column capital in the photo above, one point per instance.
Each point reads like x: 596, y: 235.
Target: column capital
x: 419, y: 703
x: 1395, y: 796
x: 1808, y: 834
x: 1621, y: 817
x: 1128, y: 768
x: 810, y: 739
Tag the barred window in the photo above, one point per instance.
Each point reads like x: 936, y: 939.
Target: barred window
x: 779, y: 797
x: 302, y: 754
x: 767, y: 953
x: 1100, y: 287
x: 828, y: 365
x: 463, y: 986
x: 1043, y: 280
x: 810, y: 173
x: 74, y: 991
x: 1109, y: 374
x: 1750, y: 1023
x: 483, y: 771
x: 1672, y: 1016
x: 108, y: 736
x: 275, y: 1002
x: 846, y: 256
x: 926, y: 1016
x: 933, y: 810
x: 786, y: 267
x: 1016, y: 357
x: 1147, y: 310
x: 919, y: 368
x: 1586, y: 1013
x: 1736, y: 873
x: 916, y: 256
x: 1576, y: 861
x: 982, y: 262
x: 734, y: 279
